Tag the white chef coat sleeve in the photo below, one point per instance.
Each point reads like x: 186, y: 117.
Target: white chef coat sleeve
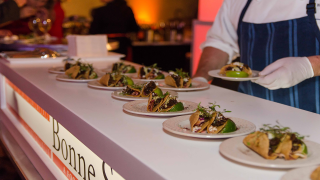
x: 223, y: 34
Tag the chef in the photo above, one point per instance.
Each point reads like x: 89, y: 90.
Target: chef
x: 280, y: 38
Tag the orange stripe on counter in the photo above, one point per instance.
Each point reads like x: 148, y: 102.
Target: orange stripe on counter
x: 63, y: 168
x: 30, y: 101
x: 46, y: 149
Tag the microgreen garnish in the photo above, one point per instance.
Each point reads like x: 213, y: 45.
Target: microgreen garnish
x: 279, y: 130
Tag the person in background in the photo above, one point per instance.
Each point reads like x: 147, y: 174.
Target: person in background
x: 44, y: 9
x: 279, y: 38
x: 58, y: 17
x: 115, y: 19
x: 10, y: 10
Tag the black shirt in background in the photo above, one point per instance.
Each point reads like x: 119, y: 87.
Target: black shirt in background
x: 115, y: 17
x: 9, y: 11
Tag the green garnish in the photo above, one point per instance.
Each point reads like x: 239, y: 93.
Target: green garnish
x: 279, y: 131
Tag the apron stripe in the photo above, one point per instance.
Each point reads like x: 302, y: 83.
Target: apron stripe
x: 267, y: 55
x: 317, y: 98
x: 248, y: 57
x: 271, y: 54
x: 252, y: 45
x: 295, y: 44
x: 290, y: 55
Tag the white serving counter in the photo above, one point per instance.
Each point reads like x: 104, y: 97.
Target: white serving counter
x: 136, y: 147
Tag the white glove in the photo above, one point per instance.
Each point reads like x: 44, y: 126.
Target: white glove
x: 201, y: 79
x: 285, y: 72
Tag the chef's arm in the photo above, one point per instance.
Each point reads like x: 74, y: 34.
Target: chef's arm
x: 315, y: 62
x: 211, y: 58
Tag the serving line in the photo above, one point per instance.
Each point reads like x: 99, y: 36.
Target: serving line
x: 137, y: 147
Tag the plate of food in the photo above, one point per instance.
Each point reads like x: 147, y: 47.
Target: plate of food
x: 56, y: 70
x: 305, y: 173
x: 208, y: 123
x: 272, y: 147
x: 111, y: 81
x: 79, y: 72
x: 140, y: 91
x: 122, y: 68
x: 236, y: 71
x: 149, y: 73
x: 161, y: 106
x: 62, y: 69
x: 180, y: 81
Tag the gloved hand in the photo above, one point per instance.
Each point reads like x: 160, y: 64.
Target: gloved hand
x: 285, y: 72
x: 201, y: 79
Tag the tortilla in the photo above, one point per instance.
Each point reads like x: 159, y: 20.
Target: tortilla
x: 105, y: 80
x: 315, y: 175
x: 164, y: 101
x: 142, y: 91
x: 194, y: 118
x: 134, y: 89
x: 171, y: 82
x: 188, y: 83
x: 73, y: 72
x: 154, y: 108
x: 223, y: 70
x: 259, y: 142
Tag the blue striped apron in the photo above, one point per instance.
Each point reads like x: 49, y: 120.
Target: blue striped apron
x: 262, y: 44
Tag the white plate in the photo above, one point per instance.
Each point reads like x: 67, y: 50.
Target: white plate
x: 57, y: 70
x: 65, y: 78
x: 140, y: 108
x: 196, y: 85
x: 178, y: 125
x: 95, y: 84
x: 234, y: 149
x: 216, y: 74
x: 117, y: 95
x: 299, y: 174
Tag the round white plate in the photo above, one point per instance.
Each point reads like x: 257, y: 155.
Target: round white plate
x: 196, y: 86
x: 95, y: 84
x: 181, y: 126
x: 56, y: 70
x: 216, y: 74
x: 65, y: 78
x: 117, y: 95
x: 299, y: 174
x: 235, y: 149
x: 140, y: 108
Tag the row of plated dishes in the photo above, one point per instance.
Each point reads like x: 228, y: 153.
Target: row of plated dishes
x: 153, y: 93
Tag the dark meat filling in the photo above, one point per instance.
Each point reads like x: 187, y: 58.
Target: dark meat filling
x: 111, y: 80
x: 130, y: 91
x: 152, y: 74
x: 149, y: 88
x: 177, y: 79
x: 230, y: 68
x: 67, y: 66
x: 273, y: 144
x: 120, y: 83
x: 219, y: 122
x: 295, y: 142
x: 115, y: 67
x: 171, y: 103
x: 142, y: 73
